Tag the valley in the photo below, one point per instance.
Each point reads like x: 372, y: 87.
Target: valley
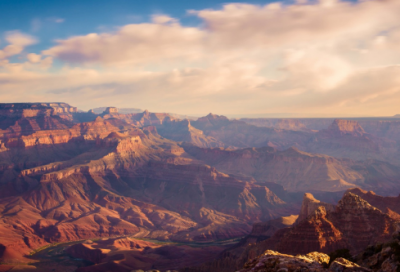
x: 89, y: 185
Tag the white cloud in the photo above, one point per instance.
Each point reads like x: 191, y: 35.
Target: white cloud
x: 17, y: 42
x: 132, y: 44
x: 20, y: 39
x: 34, y: 58
x: 330, y: 56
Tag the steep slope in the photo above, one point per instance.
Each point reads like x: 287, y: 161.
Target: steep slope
x: 238, y: 133
x: 301, y: 171
x: 354, y: 225
x: 346, y: 138
x: 183, y: 131
x: 380, y: 202
x: 123, y: 181
x: 343, y: 138
x: 310, y: 204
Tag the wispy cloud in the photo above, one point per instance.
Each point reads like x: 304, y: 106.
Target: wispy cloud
x: 57, y: 20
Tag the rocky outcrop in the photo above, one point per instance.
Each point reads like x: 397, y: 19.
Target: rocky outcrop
x: 314, y: 261
x: 341, y: 127
x: 310, y: 204
x: 275, y: 261
x: 354, y: 224
x: 316, y: 233
x: 23, y: 110
x: 383, y: 203
x: 110, y: 110
x: 383, y: 257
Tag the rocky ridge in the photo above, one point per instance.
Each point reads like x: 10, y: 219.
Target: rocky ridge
x: 313, y: 261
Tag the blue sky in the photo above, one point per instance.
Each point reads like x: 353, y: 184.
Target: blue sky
x: 79, y: 17
x: 38, y: 17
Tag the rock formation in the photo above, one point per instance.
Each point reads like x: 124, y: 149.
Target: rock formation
x: 314, y: 261
x: 341, y: 127
x: 110, y: 110
x: 107, y: 177
x: 354, y: 224
x: 383, y: 257
x: 151, y: 175
x: 297, y: 170
x: 310, y: 205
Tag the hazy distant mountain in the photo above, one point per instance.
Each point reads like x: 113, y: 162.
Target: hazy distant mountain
x: 120, y: 110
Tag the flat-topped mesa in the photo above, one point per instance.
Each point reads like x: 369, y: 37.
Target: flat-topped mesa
x: 60, y: 108
x: 24, y: 110
x: 111, y: 110
x: 340, y: 126
x: 310, y: 205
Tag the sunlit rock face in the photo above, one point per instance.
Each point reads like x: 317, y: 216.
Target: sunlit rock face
x: 353, y: 224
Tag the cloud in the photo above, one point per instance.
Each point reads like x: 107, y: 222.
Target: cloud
x: 20, y: 39
x: 132, y: 44
x: 309, y: 57
x: 278, y: 24
x: 56, y: 20
x: 17, y: 42
x: 34, y: 58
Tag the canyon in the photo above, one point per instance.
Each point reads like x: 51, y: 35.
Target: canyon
x: 111, y: 178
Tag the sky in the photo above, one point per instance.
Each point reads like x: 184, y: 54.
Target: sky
x: 300, y: 58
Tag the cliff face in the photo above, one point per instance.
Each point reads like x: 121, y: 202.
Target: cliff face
x: 382, y: 203
x: 106, y: 177
x: 310, y: 205
x: 343, y: 138
x: 377, y: 257
x: 23, y: 110
x: 316, y: 233
x: 296, y: 170
x: 117, y: 176
x: 354, y: 224
x: 183, y: 131
x: 341, y: 127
